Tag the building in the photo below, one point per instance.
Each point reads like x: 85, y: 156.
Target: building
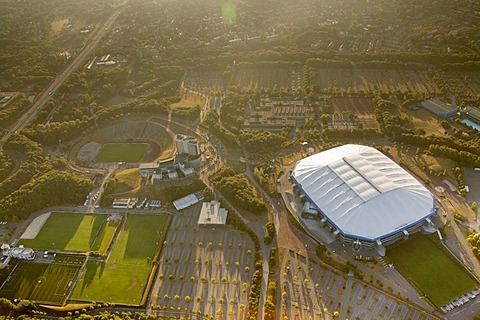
x: 363, y: 198
x: 439, y: 108
x: 212, y: 214
x: 187, y: 144
x: 170, y: 169
x: 188, y: 201
x: 19, y: 252
x: 147, y: 169
x: 124, y: 203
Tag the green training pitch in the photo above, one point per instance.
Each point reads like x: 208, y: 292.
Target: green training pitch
x: 105, y: 237
x: 40, y: 282
x: 127, y: 152
x: 67, y: 231
x: 432, y: 269
x: 123, y: 278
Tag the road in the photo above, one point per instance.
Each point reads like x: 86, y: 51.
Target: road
x: 46, y: 94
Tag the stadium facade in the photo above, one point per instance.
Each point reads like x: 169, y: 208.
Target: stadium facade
x: 362, y: 197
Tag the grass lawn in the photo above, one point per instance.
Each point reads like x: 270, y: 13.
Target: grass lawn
x: 67, y: 231
x: 39, y: 282
x: 123, y: 277
x: 127, y: 152
x: 105, y: 237
x: 127, y: 180
x: 431, y: 268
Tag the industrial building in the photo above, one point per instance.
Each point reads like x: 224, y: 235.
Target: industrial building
x: 439, y: 108
x: 362, y: 198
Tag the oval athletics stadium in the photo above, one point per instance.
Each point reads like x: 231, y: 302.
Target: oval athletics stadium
x: 359, y: 197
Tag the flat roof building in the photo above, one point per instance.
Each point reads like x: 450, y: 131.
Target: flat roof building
x: 187, y: 144
x: 212, y: 214
x: 439, y: 108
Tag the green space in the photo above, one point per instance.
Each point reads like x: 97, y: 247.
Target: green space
x: 39, y: 282
x: 432, y: 269
x: 127, y: 180
x: 105, y: 237
x: 123, y: 277
x: 67, y: 231
x: 126, y: 152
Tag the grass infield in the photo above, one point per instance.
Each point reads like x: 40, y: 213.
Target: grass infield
x: 432, y: 269
x: 127, y: 152
x: 39, y: 282
x: 67, y: 231
x: 123, y: 277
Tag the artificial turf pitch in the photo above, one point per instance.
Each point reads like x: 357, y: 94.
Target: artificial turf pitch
x: 118, y: 152
x: 432, y: 269
x: 39, y: 282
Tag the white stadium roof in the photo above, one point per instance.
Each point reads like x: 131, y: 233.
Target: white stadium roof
x: 362, y: 192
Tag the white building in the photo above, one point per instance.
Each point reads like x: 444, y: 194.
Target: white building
x: 124, y: 203
x: 19, y: 253
x: 187, y: 144
x: 363, y: 197
x: 212, y: 214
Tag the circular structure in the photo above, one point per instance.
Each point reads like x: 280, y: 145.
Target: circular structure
x: 40, y: 281
x: 362, y: 195
x: 440, y: 189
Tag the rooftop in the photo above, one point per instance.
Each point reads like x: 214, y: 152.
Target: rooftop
x: 362, y: 192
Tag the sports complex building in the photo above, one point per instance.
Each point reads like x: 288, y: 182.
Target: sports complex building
x: 362, y: 198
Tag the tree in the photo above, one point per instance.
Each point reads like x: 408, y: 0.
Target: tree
x: 474, y: 207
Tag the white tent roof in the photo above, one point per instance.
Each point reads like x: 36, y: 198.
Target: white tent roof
x: 362, y: 192
x: 186, y: 201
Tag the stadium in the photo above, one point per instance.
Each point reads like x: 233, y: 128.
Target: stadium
x: 362, y: 198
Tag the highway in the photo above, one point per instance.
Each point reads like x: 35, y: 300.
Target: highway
x: 46, y: 94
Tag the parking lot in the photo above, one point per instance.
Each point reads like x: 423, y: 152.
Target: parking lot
x: 205, y: 269
x: 311, y: 291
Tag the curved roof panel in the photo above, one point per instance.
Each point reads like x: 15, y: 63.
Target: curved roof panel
x: 362, y: 192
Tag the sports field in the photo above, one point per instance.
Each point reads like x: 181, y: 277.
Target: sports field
x: 122, y: 279
x: 39, y: 282
x: 127, y: 152
x: 432, y: 269
x: 105, y: 237
x: 67, y: 231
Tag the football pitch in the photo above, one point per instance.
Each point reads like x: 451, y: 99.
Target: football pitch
x: 123, y: 277
x: 127, y: 152
x: 40, y: 282
x: 432, y: 269
x: 67, y: 231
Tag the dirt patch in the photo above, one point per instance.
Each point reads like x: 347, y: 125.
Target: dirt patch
x: 89, y: 152
x: 35, y: 226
